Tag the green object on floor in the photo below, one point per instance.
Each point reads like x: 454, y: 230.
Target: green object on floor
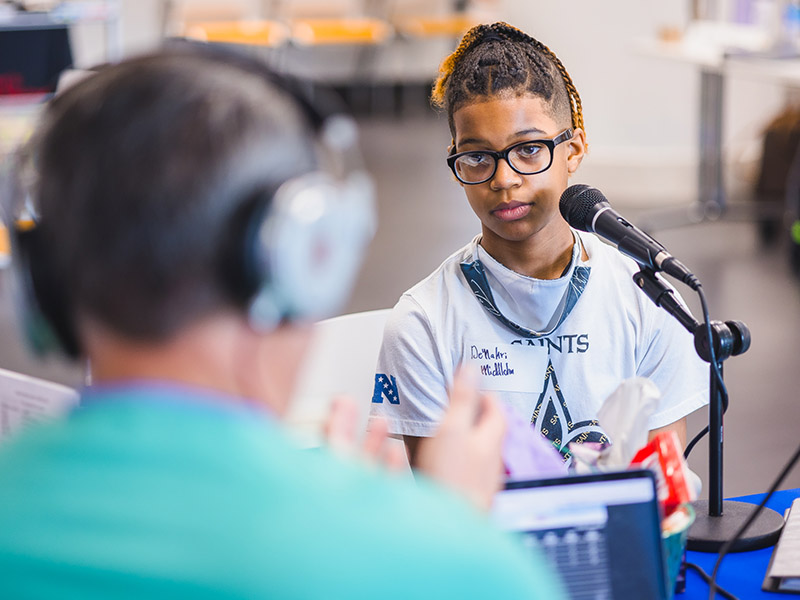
x: 796, y: 232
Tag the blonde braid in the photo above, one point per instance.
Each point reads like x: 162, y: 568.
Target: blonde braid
x: 575, y: 105
x: 449, y: 63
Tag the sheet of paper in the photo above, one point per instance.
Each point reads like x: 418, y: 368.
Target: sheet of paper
x: 24, y: 399
x: 786, y: 562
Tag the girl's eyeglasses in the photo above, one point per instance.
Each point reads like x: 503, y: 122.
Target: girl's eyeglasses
x: 526, y: 158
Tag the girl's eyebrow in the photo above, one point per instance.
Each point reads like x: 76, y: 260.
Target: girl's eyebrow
x: 477, y: 141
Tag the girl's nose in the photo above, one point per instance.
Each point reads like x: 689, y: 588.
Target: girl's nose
x: 505, y: 177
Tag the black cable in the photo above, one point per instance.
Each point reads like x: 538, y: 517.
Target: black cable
x: 729, y: 544
x: 707, y: 578
x: 721, y: 389
x: 694, y: 441
x: 699, y: 436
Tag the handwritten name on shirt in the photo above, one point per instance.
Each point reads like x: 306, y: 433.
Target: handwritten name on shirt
x: 506, y: 367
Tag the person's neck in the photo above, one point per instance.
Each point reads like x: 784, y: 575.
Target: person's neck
x: 219, y: 354
x: 545, y: 255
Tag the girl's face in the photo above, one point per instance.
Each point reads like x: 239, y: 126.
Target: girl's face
x: 514, y: 207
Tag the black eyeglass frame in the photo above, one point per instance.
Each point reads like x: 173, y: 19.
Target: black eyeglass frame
x: 550, y: 143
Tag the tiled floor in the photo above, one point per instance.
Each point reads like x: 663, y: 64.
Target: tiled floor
x: 423, y: 218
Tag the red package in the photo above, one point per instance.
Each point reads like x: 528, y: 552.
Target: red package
x: 664, y: 457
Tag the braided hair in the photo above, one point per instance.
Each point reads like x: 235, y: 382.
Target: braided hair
x: 495, y: 58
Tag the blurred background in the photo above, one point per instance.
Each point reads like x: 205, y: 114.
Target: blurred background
x: 691, y: 111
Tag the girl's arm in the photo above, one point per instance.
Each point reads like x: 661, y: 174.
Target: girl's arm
x: 678, y: 426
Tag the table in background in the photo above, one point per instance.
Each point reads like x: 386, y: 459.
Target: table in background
x: 741, y: 573
x: 718, y: 51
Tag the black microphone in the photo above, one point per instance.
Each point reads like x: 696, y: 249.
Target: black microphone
x: 586, y: 209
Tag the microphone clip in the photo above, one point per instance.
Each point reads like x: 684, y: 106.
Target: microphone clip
x: 730, y: 338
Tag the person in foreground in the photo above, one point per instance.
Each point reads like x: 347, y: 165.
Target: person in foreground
x: 549, y: 317
x: 183, y: 199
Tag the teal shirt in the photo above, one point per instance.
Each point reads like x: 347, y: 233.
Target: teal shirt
x: 153, y: 491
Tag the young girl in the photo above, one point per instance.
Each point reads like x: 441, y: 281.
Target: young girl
x: 550, y: 318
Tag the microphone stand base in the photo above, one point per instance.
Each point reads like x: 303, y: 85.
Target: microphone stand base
x: 709, y: 534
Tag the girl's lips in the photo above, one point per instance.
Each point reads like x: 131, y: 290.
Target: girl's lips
x: 512, y: 211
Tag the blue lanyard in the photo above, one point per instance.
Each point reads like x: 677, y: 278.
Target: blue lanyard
x: 475, y: 274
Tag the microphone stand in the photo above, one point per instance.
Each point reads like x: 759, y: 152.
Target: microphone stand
x: 716, y: 520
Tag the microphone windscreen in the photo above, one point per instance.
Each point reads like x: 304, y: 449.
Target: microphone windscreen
x: 576, y: 205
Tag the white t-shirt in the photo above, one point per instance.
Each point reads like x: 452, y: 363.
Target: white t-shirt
x: 560, y: 380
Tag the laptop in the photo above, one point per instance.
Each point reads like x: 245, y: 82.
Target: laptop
x: 600, y: 532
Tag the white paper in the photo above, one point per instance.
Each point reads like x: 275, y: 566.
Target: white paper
x: 786, y: 562
x: 24, y: 399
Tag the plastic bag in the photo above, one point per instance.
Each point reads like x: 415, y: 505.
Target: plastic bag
x: 526, y: 453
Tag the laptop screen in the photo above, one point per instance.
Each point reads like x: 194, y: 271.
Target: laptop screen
x: 600, y: 532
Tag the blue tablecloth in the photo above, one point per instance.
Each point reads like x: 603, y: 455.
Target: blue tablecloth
x: 741, y: 573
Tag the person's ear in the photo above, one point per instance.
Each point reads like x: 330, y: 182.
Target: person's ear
x: 451, y: 149
x: 576, y: 150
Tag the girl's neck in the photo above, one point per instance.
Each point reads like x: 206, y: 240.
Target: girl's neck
x: 542, y: 256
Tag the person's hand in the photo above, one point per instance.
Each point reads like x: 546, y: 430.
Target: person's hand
x: 341, y: 432
x: 466, y: 454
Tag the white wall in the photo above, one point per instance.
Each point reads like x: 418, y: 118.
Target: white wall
x: 625, y: 95
x: 139, y: 29
x: 641, y: 112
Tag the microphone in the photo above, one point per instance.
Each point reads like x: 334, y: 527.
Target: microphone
x: 586, y: 209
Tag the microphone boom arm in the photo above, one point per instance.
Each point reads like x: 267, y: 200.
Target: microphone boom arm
x: 662, y: 295
x: 710, y: 531
x: 730, y: 338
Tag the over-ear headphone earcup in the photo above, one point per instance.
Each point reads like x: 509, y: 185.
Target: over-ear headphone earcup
x: 309, y: 247
x: 41, y: 297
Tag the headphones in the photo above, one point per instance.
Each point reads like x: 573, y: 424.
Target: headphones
x: 294, y: 250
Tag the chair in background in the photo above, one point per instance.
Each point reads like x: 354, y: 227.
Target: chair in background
x: 326, y: 44
x: 178, y: 16
x: 335, y: 44
x: 341, y: 361
x: 258, y: 32
x: 333, y: 23
x: 424, y: 20
x: 5, y: 247
x: 232, y: 22
x: 777, y: 187
x: 425, y: 32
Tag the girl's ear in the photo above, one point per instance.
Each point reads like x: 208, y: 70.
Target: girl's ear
x: 451, y: 149
x: 576, y: 150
